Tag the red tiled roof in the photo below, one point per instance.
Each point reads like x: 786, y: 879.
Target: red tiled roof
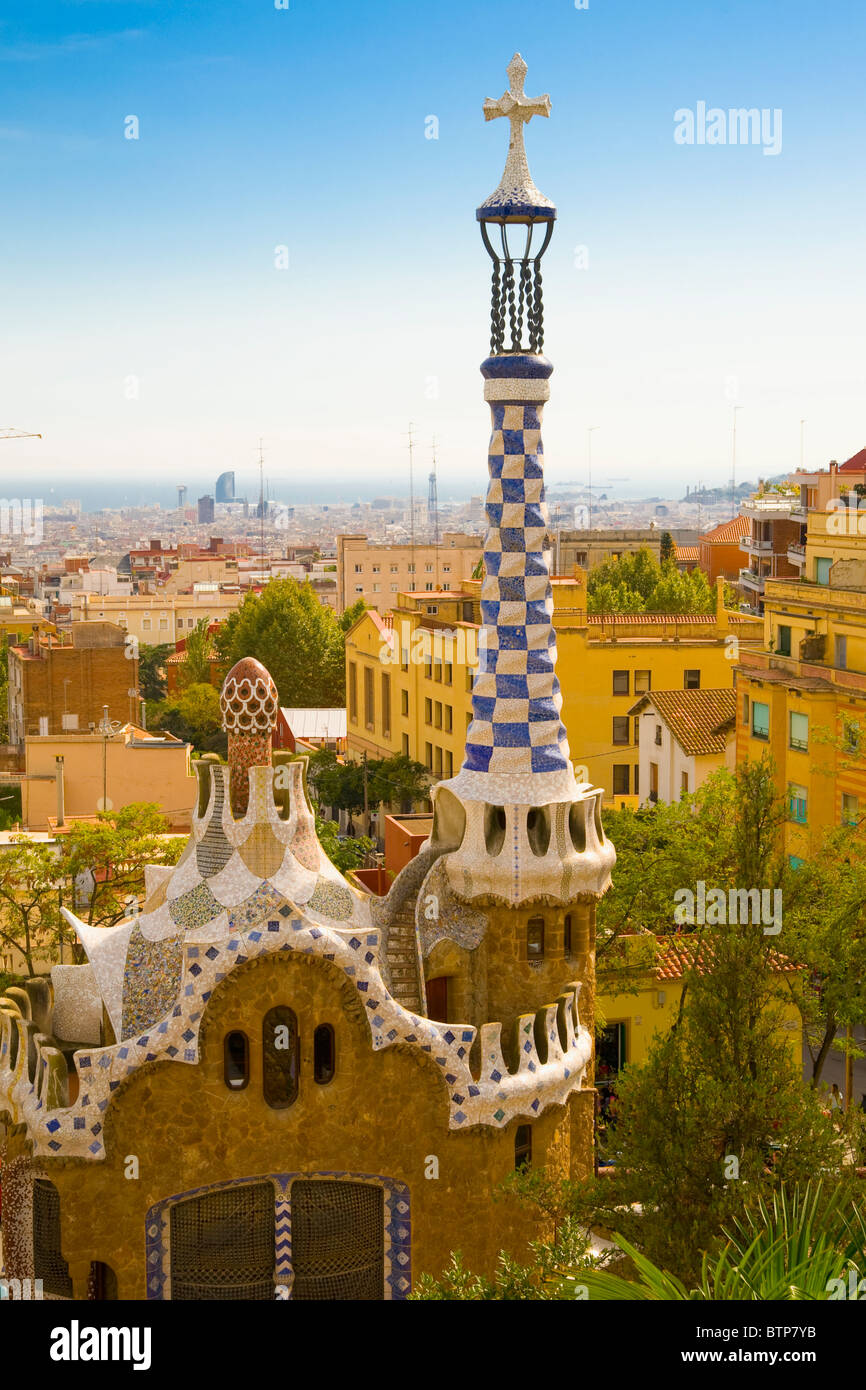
x: 688, y: 552
x: 727, y: 532
x: 677, y: 956
x: 696, y: 718
x: 855, y: 464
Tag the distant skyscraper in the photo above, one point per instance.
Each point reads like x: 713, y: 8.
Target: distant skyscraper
x: 225, y: 488
x: 181, y: 496
x: 205, y: 510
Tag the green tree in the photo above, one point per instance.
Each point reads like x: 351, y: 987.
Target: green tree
x: 667, y: 549
x: 195, y: 669
x: 151, y: 669
x: 389, y: 780
x: 398, y: 781
x: 796, y: 1246
x: 297, y: 638
x: 109, y: 855
x: 30, y: 887
x: 339, y: 785
x: 637, y: 583
x: 825, y: 932
x: 344, y: 851
x: 350, y: 615
x: 199, y: 708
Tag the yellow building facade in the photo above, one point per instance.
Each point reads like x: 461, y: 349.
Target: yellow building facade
x: 627, y: 1023
x: 409, y: 675
x: 802, y: 695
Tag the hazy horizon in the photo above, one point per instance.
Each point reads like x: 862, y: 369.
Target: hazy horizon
x: 150, y: 332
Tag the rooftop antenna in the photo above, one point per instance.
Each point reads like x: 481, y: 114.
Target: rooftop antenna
x: 433, y: 511
x: 262, y: 498
x: 412, y: 499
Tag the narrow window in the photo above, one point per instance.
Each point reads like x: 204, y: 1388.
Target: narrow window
x: 621, y: 773
x: 369, y: 698
x: 760, y: 720
x: 522, y: 1147
x: 620, y: 728
x: 535, y: 938
x: 386, y: 705
x: 280, y: 1049
x: 236, y: 1060
x: 323, y: 1054
x: 353, y: 692
x: 566, y: 934
x: 620, y: 682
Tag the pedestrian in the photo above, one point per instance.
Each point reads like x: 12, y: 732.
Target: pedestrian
x: 837, y: 1104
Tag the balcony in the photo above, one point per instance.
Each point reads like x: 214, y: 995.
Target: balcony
x: 772, y: 506
x: 754, y: 545
x: 750, y: 580
x: 796, y: 554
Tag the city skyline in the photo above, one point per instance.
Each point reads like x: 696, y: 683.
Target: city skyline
x: 152, y: 328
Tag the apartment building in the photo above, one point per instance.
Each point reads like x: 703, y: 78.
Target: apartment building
x: 586, y: 548
x: 801, y: 696
x: 719, y: 550
x: 773, y: 528
x: 378, y: 573
x: 409, y: 675
x: 60, y: 683
x: 125, y: 767
x: 156, y: 618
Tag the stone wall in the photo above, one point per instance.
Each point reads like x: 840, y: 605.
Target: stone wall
x: 384, y: 1113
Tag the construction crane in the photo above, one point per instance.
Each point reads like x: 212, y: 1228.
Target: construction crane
x: 18, y: 434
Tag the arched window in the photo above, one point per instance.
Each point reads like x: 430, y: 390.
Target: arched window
x: 48, y: 1262
x: 566, y: 934
x: 280, y: 1057
x: 236, y: 1060
x: 535, y: 938
x: 324, y: 1055
x: 522, y: 1147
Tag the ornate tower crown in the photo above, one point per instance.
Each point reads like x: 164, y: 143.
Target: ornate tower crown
x: 516, y: 199
x: 517, y: 784
x: 516, y: 289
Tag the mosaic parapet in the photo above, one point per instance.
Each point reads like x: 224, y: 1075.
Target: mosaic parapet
x: 232, y: 873
x: 553, y: 1053
x: 516, y: 853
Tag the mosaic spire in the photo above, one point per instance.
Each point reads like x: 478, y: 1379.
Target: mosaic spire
x: 516, y: 748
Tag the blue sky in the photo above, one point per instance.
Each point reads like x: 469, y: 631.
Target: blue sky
x: 145, y: 268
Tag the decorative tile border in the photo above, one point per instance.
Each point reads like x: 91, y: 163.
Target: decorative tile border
x: 496, y: 1097
x: 397, y: 1233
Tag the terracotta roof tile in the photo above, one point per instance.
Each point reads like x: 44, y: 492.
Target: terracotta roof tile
x: 855, y: 464
x: 688, y: 552
x: 696, y: 718
x: 727, y: 532
x: 679, y: 954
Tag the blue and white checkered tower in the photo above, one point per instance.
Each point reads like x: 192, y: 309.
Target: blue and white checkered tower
x: 516, y: 747
x: 517, y: 785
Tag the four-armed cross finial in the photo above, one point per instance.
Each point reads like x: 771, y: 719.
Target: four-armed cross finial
x: 516, y: 191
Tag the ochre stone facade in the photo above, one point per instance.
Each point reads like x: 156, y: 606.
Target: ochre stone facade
x: 383, y: 1113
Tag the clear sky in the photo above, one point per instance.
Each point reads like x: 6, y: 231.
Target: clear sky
x: 713, y: 274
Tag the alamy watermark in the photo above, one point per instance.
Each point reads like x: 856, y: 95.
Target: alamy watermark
x: 713, y: 125
x: 846, y: 516
x: 451, y: 646
x: 743, y: 906
x: 22, y: 516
